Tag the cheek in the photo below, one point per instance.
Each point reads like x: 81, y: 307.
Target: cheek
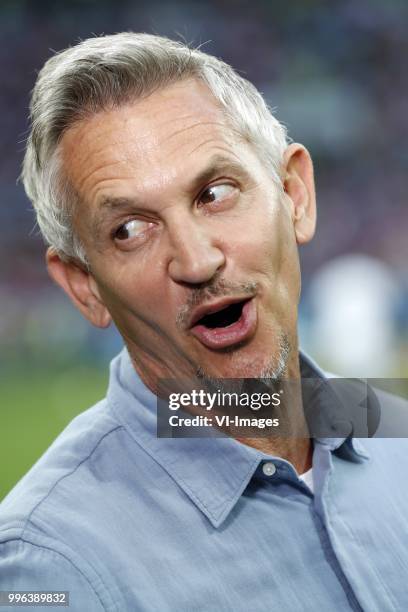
x: 129, y: 295
x: 274, y: 255
x: 143, y: 311
x: 267, y: 241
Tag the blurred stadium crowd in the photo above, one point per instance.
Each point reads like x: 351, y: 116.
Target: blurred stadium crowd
x: 336, y: 74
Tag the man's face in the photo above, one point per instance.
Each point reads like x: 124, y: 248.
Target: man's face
x: 191, y: 246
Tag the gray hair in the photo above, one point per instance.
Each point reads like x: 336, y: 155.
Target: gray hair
x: 107, y: 71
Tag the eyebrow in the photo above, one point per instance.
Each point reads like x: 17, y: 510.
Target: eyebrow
x: 218, y: 164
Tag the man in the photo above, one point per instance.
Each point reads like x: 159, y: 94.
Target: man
x: 174, y: 206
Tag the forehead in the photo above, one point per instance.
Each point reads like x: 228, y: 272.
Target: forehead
x: 148, y: 141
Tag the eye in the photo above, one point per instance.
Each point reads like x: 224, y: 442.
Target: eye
x: 216, y: 192
x: 131, y: 229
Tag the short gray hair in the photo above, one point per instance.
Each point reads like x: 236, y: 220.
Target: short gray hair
x: 107, y: 71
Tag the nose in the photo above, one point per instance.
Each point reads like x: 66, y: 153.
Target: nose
x: 195, y: 254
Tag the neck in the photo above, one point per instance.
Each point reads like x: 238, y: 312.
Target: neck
x: 295, y: 446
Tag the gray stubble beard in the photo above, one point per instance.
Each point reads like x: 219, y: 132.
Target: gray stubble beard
x: 269, y: 376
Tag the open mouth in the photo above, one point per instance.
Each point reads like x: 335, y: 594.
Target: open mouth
x: 223, y: 318
x: 230, y: 325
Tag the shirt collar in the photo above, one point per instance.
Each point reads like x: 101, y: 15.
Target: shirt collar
x: 212, y: 471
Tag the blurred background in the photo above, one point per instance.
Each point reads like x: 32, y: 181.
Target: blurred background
x: 335, y: 73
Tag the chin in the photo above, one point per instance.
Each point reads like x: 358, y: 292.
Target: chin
x: 241, y: 363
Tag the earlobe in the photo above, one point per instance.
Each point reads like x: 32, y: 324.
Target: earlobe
x: 298, y: 182
x: 79, y: 284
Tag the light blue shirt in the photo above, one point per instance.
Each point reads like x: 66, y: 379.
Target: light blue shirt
x: 126, y: 521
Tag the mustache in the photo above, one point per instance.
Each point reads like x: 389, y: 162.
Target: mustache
x: 219, y: 287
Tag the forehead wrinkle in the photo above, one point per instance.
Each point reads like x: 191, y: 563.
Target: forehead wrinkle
x: 81, y: 135
x: 210, y: 138
x: 220, y: 147
x: 156, y: 114
x: 79, y: 132
x: 219, y: 140
x: 100, y: 187
x: 197, y: 123
x: 68, y: 151
x: 105, y: 165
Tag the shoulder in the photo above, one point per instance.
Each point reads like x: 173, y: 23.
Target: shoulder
x: 50, y: 506
x: 29, y: 566
x: 387, y: 444
x: 60, y: 466
x: 385, y: 411
x: 393, y: 415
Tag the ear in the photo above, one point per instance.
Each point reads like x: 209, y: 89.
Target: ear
x: 79, y: 284
x: 298, y: 183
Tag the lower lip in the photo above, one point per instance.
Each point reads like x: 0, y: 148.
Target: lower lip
x: 224, y: 337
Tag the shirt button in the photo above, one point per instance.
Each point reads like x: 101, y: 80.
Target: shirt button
x: 269, y: 469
